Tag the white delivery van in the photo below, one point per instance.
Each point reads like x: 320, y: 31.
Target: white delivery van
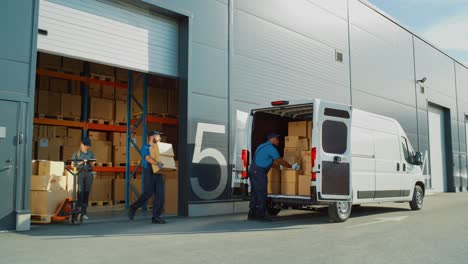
x: 357, y: 157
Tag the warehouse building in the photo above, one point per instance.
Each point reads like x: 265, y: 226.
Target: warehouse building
x: 68, y: 67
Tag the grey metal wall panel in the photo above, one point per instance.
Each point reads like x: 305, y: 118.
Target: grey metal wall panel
x: 15, y: 28
x: 271, y: 62
x: 209, y: 71
x: 14, y: 77
x: 381, y: 56
x: 462, y: 100
x: 110, y: 33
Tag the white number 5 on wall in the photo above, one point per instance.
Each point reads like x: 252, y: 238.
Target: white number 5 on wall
x: 199, y: 155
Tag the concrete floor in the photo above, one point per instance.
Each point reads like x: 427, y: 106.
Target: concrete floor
x: 388, y: 233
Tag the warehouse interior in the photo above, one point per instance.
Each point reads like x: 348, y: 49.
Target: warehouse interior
x: 76, y: 99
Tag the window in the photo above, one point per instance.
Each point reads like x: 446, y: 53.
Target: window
x: 406, y: 151
x: 334, y: 137
x: 336, y: 113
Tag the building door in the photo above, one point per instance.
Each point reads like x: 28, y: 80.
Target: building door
x: 8, y: 160
x: 437, y: 149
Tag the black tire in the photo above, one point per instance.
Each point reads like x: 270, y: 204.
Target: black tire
x: 273, y: 211
x: 339, y: 211
x: 418, y: 198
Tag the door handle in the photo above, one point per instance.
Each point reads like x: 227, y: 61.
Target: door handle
x: 404, y: 167
x: 337, y: 159
x: 398, y: 167
x: 21, y: 138
x: 6, y: 168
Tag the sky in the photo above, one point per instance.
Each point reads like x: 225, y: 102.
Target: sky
x: 442, y: 22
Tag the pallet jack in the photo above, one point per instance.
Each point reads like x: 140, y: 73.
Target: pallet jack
x: 69, y: 208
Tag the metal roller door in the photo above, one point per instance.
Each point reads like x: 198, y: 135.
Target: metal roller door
x: 109, y: 32
x: 437, y: 149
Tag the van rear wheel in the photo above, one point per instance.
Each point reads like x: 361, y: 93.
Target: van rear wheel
x: 418, y: 198
x: 273, y: 211
x: 339, y: 211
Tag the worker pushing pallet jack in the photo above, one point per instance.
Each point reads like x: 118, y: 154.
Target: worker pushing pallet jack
x: 81, y: 165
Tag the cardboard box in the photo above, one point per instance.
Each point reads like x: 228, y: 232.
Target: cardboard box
x: 101, y: 69
x: 120, y: 94
x: 49, y: 61
x: 288, y: 188
x: 108, y: 92
x: 274, y: 187
x: 289, y: 179
x: 292, y: 159
x: 173, y: 101
x: 294, y: 152
x: 309, y: 129
x: 300, y: 143
x: 119, y: 139
x: 74, y: 136
x: 274, y: 175
x: 60, y: 132
x: 95, y: 90
x: 157, y: 100
x: 75, y: 87
x: 121, y: 111
x: 171, y: 184
x: 58, y: 85
x: 34, y: 167
x: 120, y: 155
x: 166, y: 149
x: 298, y: 129
x: 51, y: 168
x: 101, y: 190
x: 48, y: 183
x: 303, y: 184
x: 49, y: 103
x: 70, y: 180
x: 99, y: 136
x: 306, y: 156
x: 306, y: 167
x: 121, y: 75
x: 102, y: 150
x: 68, y: 150
x: 73, y: 64
x: 49, y: 149
x: 44, y: 83
x: 101, y: 109
x: 71, y: 105
x: 46, y: 203
x: 118, y: 190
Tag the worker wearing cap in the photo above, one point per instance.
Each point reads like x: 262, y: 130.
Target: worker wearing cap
x: 153, y: 183
x: 85, y: 174
x: 266, y: 156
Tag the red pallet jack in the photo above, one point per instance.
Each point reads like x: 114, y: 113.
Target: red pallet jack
x: 69, y: 208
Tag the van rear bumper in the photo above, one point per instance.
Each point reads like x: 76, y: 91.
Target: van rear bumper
x: 291, y: 200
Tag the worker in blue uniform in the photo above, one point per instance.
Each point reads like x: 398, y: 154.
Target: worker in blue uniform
x: 153, y: 182
x: 266, y: 156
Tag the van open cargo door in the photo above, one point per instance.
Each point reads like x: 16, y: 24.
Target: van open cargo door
x: 331, y: 138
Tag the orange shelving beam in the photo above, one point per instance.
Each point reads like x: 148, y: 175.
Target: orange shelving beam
x: 162, y: 120
x: 72, y: 77
x: 109, y: 128
x: 113, y: 169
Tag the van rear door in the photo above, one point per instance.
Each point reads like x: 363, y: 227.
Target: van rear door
x: 331, y: 138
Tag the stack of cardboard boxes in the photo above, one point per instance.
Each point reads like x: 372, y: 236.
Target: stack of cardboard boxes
x: 297, y: 150
x: 55, y: 142
x: 49, y: 187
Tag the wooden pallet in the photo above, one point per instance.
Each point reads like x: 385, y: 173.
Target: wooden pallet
x: 99, y: 203
x: 118, y: 123
x: 41, y: 219
x: 104, y: 164
x: 133, y: 163
x: 102, y: 77
x: 119, y: 202
x: 162, y: 115
x: 58, y: 117
x: 101, y: 121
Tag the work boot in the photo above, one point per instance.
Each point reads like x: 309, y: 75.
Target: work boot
x: 158, y: 220
x: 131, y: 213
x: 251, y: 217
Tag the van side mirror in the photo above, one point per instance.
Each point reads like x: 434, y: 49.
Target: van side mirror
x: 418, y: 158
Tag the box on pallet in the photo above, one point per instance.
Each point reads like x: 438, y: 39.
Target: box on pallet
x: 48, y: 183
x: 101, y: 69
x: 95, y: 90
x: 58, y: 85
x: 120, y: 94
x: 99, y: 136
x: 68, y: 150
x: 74, y: 137
x: 50, y: 168
x: 289, y: 180
x: 108, y: 92
x: 101, y: 190
x: 44, y: 202
x: 173, y: 101
x: 303, y: 184
x: 71, y: 105
x: 49, y: 61
x: 102, y: 150
x: 44, y: 83
x: 298, y: 129
x: 73, y: 65
x: 118, y: 190
x: 101, y: 109
x: 157, y: 100
x: 120, y: 155
x: 121, y: 111
x: 48, y: 103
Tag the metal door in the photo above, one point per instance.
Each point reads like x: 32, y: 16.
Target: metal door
x: 437, y: 149
x: 8, y: 159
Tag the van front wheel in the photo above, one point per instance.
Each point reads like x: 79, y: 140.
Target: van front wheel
x: 339, y: 211
x: 418, y: 198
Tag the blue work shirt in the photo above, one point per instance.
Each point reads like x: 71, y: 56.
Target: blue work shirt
x: 145, y: 151
x: 80, y: 155
x: 265, y: 155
